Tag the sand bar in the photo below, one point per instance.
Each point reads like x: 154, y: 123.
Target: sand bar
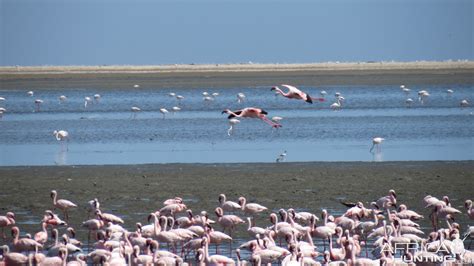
x: 236, y: 75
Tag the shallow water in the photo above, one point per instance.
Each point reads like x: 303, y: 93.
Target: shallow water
x: 106, y: 132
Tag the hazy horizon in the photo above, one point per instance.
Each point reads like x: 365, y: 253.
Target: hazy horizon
x: 104, y: 32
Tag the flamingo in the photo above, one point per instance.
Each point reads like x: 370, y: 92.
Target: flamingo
x: 228, y: 221
x: 469, y: 208
x: 240, y: 97
x: 38, y: 103
x: 164, y: 112
x: 30, y: 93
x: 175, y: 109
x: 62, y: 135
x: 7, y: 220
x: 136, y: 86
x: 422, y: 95
x: 337, y: 105
x: 376, y: 141
x: 179, y: 97
x: 277, y: 119
x: 323, y: 93
x: 172, y: 94
x: 97, y: 97
x: 409, y: 102
x: 464, y: 103
x: 62, y: 98
x: 449, y: 91
x: 251, y: 112
x: 295, y: 93
x: 87, y: 100
x: 228, y: 205
x: 42, y: 236
x: 232, y: 123
x: 13, y: 258
x: 62, y: 204
x: 281, y: 157
x: 135, y: 110
x: 23, y: 244
x: 251, y: 208
x: 205, y: 259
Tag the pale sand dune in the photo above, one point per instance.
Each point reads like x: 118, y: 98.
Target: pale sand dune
x: 330, y: 66
x: 236, y: 75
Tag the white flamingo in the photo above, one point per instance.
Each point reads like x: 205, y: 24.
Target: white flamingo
x: 87, y: 100
x: 240, y: 97
x: 377, y: 141
x: 30, y: 93
x: 62, y: 98
x: 464, y: 103
x: 38, y: 103
x: 232, y: 123
x: 62, y: 136
x: 164, y: 112
x: 135, y: 110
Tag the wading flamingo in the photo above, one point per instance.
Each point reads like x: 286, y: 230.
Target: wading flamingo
x: 87, y: 100
x: 62, y: 204
x: 7, y: 220
x: 240, y: 97
x: 62, y: 135
x: 376, y: 141
x: 232, y: 123
x: 164, y: 112
x: 464, y: 103
x: 62, y: 98
x: 251, y: 112
x: 38, y: 103
x: 135, y: 110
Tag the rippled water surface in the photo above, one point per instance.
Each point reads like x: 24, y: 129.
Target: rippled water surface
x: 106, y: 132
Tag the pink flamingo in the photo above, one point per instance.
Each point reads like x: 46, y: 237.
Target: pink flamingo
x: 294, y: 93
x: 23, y: 244
x: 13, y: 258
x: 470, y: 210
x: 62, y: 204
x: 42, y: 236
x: 228, y: 205
x: 228, y: 221
x: 251, y: 112
x: 7, y: 220
x: 251, y: 208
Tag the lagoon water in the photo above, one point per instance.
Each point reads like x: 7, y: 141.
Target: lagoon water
x: 107, y: 133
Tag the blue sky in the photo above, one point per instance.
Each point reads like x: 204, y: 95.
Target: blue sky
x: 139, y: 32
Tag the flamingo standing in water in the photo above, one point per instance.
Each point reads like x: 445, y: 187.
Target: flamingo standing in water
x: 164, y: 112
x: 376, y: 141
x: 232, y: 123
x: 30, y: 93
x: 409, y: 102
x: 87, y: 100
x: 464, y: 103
x: 7, y: 220
x: 240, y: 97
x: 61, y: 135
x: 135, y: 110
x: 251, y: 112
x: 62, y: 98
x: 62, y: 204
x: 295, y: 93
x: 38, y: 103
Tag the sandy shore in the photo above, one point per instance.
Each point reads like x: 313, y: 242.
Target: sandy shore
x: 135, y: 190
x: 232, y: 75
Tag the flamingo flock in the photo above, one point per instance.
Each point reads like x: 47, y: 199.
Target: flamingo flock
x: 361, y: 235
x: 235, y: 116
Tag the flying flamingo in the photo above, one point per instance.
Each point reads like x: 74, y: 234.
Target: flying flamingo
x: 376, y: 141
x: 62, y: 135
x: 232, y: 123
x: 251, y: 112
x: 294, y: 93
x: 62, y: 204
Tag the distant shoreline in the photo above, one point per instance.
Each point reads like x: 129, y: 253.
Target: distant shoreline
x: 244, y: 67
x: 236, y: 75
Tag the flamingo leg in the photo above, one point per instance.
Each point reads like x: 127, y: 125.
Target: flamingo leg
x: 268, y: 121
x: 373, y: 145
